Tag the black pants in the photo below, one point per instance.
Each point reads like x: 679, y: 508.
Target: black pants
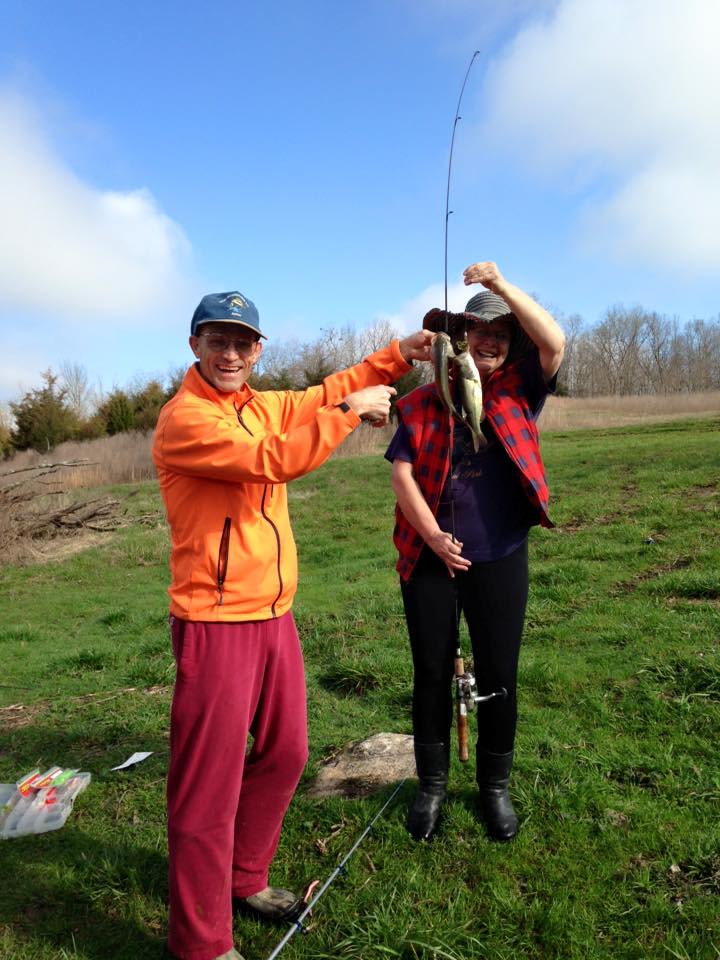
x: 492, y: 596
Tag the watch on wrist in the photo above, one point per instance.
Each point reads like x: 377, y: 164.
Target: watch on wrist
x: 345, y: 407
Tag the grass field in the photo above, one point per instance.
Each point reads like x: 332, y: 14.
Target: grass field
x: 617, y: 778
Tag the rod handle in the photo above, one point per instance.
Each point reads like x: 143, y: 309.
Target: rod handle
x: 461, y: 713
x: 462, y: 730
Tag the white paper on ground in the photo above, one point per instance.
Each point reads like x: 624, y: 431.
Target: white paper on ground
x: 135, y: 758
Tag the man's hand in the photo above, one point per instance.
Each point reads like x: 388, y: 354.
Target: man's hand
x: 372, y: 403
x: 417, y: 346
x: 487, y: 274
x: 449, y: 551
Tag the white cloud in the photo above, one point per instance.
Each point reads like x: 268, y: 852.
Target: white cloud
x: 460, y: 22
x: 70, y: 249
x: 411, y: 313
x: 622, y: 98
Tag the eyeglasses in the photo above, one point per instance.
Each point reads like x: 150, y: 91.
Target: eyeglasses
x: 219, y: 343
x: 485, y: 333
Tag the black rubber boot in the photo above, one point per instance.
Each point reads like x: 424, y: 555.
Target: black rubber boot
x: 432, y: 761
x: 493, y: 776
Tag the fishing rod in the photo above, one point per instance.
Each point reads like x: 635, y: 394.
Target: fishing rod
x: 467, y: 696
x: 297, y: 925
x: 448, y: 211
x: 462, y: 704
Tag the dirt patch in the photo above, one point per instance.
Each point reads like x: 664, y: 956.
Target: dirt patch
x: 679, y: 563
x: 22, y: 714
x: 61, y: 548
x: 701, y: 496
x: 705, y: 489
x: 576, y: 524
x: 19, y: 714
x: 673, y: 601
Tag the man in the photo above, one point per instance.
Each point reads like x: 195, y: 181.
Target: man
x: 224, y: 453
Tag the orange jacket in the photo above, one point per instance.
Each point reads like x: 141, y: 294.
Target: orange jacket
x: 223, y: 460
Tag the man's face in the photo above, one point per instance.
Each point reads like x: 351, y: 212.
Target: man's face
x: 227, y: 353
x: 488, y: 345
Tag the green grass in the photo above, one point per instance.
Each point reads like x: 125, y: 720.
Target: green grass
x: 617, y: 778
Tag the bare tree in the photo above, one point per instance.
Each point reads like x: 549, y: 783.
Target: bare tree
x: 80, y: 396
x: 572, y: 328
x: 633, y: 351
x: 377, y: 335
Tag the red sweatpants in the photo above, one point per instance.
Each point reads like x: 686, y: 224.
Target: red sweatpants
x: 225, y: 809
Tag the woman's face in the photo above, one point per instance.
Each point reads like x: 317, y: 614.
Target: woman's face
x: 488, y: 345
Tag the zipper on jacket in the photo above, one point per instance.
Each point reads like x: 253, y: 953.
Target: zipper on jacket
x: 277, y: 538
x: 222, y: 563
x: 238, y: 414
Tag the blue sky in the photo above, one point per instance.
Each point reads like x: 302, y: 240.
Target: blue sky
x: 153, y: 152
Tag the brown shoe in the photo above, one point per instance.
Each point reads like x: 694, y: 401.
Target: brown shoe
x: 232, y: 954
x: 273, y: 903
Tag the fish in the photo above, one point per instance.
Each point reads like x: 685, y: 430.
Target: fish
x: 469, y: 385
x: 471, y: 398
x: 443, y: 355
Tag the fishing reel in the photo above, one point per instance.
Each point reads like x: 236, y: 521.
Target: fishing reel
x: 466, y: 699
x: 466, y: 686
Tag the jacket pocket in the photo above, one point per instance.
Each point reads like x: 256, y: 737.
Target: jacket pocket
x: 222, y: 561
x: 275, y: 530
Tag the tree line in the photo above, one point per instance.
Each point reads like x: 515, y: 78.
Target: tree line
x: 637, y: 352
x: 630, y: 351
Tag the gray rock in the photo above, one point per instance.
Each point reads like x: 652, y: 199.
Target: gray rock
x: 365, y: 766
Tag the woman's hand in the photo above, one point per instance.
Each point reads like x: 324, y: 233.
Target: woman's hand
x: 419, y: 515
x: 487, y: 274
x: 543, y: 330
x: 448, y: 550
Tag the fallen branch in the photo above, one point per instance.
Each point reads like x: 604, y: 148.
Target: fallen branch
x: 50, y: 466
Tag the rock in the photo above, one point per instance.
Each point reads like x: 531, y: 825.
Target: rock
x: 364, y: 766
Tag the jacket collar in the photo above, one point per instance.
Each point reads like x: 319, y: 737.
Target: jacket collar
x: 196, y: 383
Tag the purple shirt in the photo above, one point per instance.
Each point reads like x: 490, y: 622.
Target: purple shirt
x: 483, y: 502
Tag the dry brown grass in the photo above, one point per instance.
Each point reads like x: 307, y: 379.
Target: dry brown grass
x: 125, y: 458
x: 364, y: 440
x: 44, y: 513
x: 574, y: 413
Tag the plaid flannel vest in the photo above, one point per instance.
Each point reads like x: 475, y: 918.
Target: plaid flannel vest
x: 428, y: 429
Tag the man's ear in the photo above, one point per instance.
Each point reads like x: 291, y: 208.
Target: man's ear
x: 194, y: 346
x: 257, y: 351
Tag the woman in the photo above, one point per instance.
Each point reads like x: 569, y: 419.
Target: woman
x: 462, y: 527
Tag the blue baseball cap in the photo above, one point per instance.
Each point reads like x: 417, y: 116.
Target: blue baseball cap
x: 230, y: 307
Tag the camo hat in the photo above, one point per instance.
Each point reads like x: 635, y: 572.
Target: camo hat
x: 488, y: 306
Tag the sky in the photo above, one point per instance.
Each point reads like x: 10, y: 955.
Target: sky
x: 298, y: 152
